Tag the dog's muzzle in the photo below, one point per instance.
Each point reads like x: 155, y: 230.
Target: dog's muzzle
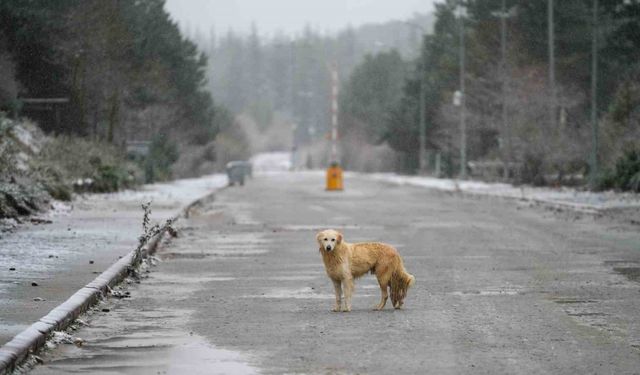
x: 328, y: 248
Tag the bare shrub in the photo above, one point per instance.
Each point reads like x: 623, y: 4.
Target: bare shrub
x: 231, y: 144
x: 277, y: 136
x: 8, y: 84
x: 620, y: 128
x: 196, y: 161
x: 78, y: 158
x: 359, y: 155
x: 545, y: 152
x: 8, y: 149
x: 148, y: 233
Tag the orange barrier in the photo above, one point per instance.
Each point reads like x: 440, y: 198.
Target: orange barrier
x: 334, y: 177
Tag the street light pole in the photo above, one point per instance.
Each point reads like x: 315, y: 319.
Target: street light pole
x: 594, y: 96
x: 503, y: 72
x: 422, y: 152
x: 423, y: 120
x: 334, y: 113
x: 463, y: 100
x: 552, y: 64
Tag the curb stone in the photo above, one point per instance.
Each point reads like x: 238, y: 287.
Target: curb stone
x: 29, y: 341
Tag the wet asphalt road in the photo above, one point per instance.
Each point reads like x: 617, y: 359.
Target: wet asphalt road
x: 501, y: 288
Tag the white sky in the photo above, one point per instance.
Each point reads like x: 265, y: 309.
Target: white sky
x: 289, y: 16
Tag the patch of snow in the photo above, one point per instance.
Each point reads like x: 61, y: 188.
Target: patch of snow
x: 29, y: 135
x: 61, y: 337
x: 180, y: 192
x: 563, y: 196
x: 39, y: 252
x: 59, y: 208
x: 271, y: 162
x: 29, y: 139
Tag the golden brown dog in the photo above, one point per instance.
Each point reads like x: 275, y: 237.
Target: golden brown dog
x: 346, y: 261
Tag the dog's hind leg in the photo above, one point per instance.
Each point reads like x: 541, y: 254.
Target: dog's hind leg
x: 337, y: 286
x: 384, y: 292
x: 383, y: 274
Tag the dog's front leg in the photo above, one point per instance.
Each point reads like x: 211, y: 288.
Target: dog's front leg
x: 348, y: 292
x: 337, y: 286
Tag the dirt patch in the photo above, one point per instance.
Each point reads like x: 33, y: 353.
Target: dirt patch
x: 631, y: 273
x: 618, y: 262
x: 587, y: 314
x: 564, y: 301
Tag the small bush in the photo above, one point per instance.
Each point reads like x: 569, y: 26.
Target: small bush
x: 625, y: 176
x: 108, y: 178
x: 532, y: 171
x: 65, y: 160
x: 53, y: 181
x: 157, y: 164
x: 195, y: 161
x: 8, y: 148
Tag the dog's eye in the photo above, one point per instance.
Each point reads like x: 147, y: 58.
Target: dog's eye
x: 325, y: 239
x: 333, y: 240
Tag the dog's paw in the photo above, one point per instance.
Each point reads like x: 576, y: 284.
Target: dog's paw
x: 346, y: 309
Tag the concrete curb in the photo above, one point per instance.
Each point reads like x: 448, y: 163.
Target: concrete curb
x: 29, y: 341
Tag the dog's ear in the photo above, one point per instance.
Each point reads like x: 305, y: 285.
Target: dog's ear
x: 339, y: 239
x: 320, y: 234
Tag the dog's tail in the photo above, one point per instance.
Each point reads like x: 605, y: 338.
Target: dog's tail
x: 401, y: 280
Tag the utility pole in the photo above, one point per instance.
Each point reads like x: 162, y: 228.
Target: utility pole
x: 552, y: 64
x: 334, y: 172
x: 334, y: 113
x: 423, y: 125
x: 463, y: 99
x: 594, y: 96
x: 506, y: 154
x: 422, y: 152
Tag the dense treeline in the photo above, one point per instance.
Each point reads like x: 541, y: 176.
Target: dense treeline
x: 547, y: 133
x: 288, y: 76
x: 124, y: 66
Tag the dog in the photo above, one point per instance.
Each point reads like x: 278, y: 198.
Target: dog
x: 345, y: 262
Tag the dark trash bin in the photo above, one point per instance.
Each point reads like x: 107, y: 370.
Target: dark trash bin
x: 238, y: 170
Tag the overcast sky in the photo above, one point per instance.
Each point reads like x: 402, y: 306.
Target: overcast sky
x: 289, y: 16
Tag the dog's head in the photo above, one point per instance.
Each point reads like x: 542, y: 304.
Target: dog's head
x: 329, y: 239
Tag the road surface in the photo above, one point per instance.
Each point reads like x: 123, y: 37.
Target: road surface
x: 501, y: 289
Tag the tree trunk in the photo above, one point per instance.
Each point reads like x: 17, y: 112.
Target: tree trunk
x: 114, y: 109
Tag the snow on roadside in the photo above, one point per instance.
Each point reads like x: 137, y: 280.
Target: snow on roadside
x: 569, y: 197
x: 176, y: 193
x: 564, y: 196
x: 271, y: 162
